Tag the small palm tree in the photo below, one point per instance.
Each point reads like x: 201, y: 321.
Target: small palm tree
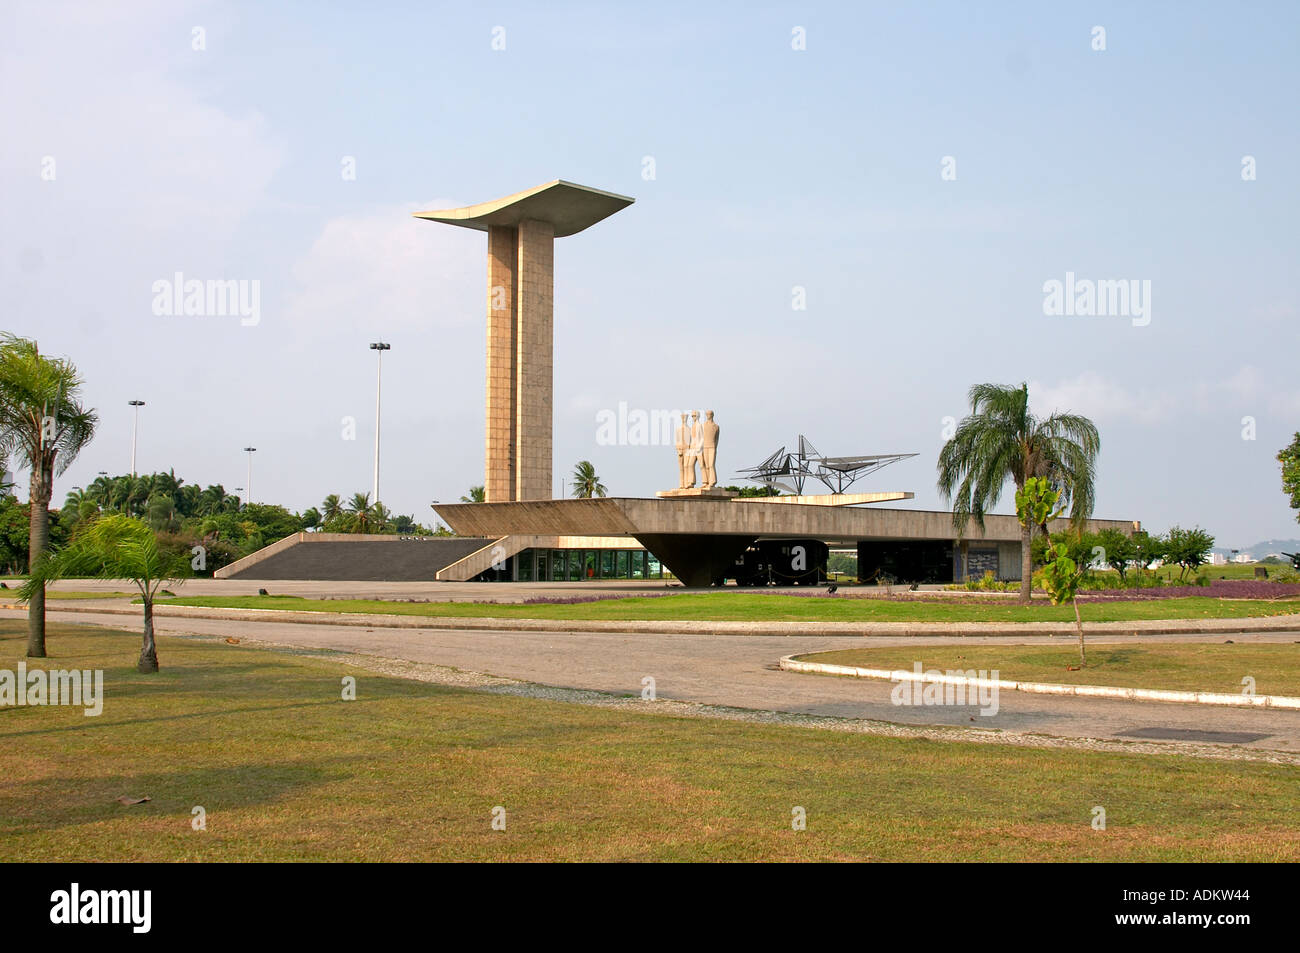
x: 585, y: 482
x: 331, y: 509
x: 187, y: 499
x: 1001, y: 440
x: 44, y: 424
x: 118, y: 493
x: 114, y: 547
x: 360, y: 513
x: 76, y: 496
x: 99, y: 490
x: 211, y: 500
x: 475, y: 495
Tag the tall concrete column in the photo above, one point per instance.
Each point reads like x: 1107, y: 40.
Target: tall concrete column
x: 500, y: 434
x: 521, y: 231
x: 533, y: 360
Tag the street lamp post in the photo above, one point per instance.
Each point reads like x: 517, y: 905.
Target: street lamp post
x: 380, y: 347
x: 135, y: 428
x: 249, y: 482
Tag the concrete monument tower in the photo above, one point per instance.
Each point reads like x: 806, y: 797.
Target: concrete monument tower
x: 522, y: 229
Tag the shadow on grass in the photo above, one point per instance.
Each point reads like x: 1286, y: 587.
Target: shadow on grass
x: 110, y: 723
x: 55, y: 802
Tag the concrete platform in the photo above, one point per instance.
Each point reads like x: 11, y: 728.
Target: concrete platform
x: 700, y: 537
x: 628, y: 516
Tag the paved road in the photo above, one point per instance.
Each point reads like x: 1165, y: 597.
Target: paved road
x: 739, y: 671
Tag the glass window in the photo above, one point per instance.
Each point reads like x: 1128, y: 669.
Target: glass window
x: 606, y: 563
x: 621, y: 565
x: 558, y: 565
x: 525, y: 563
x: 656, y: 570
x: 638, y: 564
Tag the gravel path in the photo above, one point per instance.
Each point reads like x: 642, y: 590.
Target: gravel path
x: 737, y: 677
x: 458, y: 678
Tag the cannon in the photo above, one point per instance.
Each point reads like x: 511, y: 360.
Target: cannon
x: 1295, y: 559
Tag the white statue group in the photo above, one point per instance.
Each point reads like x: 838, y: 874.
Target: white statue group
x: 697, y: 445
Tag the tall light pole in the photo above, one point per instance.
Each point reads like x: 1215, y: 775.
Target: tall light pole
x: 381, y: 347
x: 135, y: 428
x: 249, y: 482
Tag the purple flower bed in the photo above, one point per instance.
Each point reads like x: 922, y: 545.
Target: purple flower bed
x: 1218, y: 589
x: 575, y: 600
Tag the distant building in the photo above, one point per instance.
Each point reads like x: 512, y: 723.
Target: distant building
x: 1218, y: 559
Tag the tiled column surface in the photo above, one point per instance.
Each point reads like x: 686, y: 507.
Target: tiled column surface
x: 501, y: 437
x: 533, y: 348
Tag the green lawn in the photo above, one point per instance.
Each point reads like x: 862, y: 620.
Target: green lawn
x: 11, y: 595
x: 1183, y: 667
x: 751, y: 607
x: 1168, y: 575
x: 1236, y: 570
x: 286, y: 770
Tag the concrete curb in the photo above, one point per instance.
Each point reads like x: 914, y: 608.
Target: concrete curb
x: 1282, y: 623
x: 791, y: 663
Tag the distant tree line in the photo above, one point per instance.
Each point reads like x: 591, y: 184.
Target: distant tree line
x: 1132, y: 556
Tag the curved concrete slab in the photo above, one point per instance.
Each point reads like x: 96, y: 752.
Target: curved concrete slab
x: 567, y: 206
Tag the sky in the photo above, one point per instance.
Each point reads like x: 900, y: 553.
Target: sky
x: 845, y: 216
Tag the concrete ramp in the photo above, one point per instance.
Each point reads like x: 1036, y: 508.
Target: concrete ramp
x: 482, y: 559
x: 355, y: 557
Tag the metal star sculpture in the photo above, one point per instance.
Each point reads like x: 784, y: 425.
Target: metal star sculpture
x: 790, y: 471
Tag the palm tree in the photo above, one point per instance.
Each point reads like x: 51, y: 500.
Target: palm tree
x: 585, y: 482
x: 119, y: 493
x: 475, y: 495
x: 187, y: 499
x: 81, y: 503
x: 45, y: 425
x: 359, y: 514
x: 330, y: 510
x: 310, y: 518
x: 99, y: 490
x: 164, y: 483
x: 160, y: 511
x: 1002, y: 440
x: 114, y: 547
x: 212, y: 500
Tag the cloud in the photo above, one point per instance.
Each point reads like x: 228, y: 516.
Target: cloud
x: 1251, y: 390
x: 384, y: 269
x: 136, y: 146
x: 1095, y: 395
